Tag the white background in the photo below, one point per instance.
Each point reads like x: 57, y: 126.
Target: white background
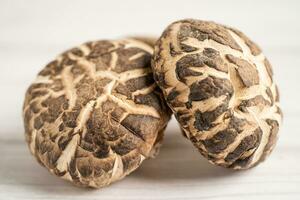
x: 32, y: 33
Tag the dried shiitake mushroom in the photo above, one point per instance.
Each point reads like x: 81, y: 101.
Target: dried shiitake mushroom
x: 150, y: 40
x: 220, y: 87
x: 95, y: 113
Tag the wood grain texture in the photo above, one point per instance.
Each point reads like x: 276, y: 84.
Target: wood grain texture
x: 33, y: 33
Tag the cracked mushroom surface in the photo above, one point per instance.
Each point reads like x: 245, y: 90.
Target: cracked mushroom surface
x: 220, y: 87
x: 95, y: 113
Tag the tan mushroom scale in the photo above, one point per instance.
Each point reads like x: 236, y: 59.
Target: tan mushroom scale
x: 219, y: 85
x: 95, y: 113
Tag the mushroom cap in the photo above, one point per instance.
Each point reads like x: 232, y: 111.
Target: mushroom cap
x: 150, y: 40
x: 220, y: 87
x: 95, y: 113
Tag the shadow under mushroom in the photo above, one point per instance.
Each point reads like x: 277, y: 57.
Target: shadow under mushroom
x: 179, y: 159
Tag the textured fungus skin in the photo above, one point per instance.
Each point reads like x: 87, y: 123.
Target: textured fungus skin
x: 95, y: 113
x: 219, y: 85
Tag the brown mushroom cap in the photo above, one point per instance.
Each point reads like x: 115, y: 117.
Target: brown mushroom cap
x: 95, y: 113
x: 150, y: 40
x: 219, y: 85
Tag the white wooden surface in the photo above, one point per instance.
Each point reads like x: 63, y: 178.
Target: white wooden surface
x: 33, y: 32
